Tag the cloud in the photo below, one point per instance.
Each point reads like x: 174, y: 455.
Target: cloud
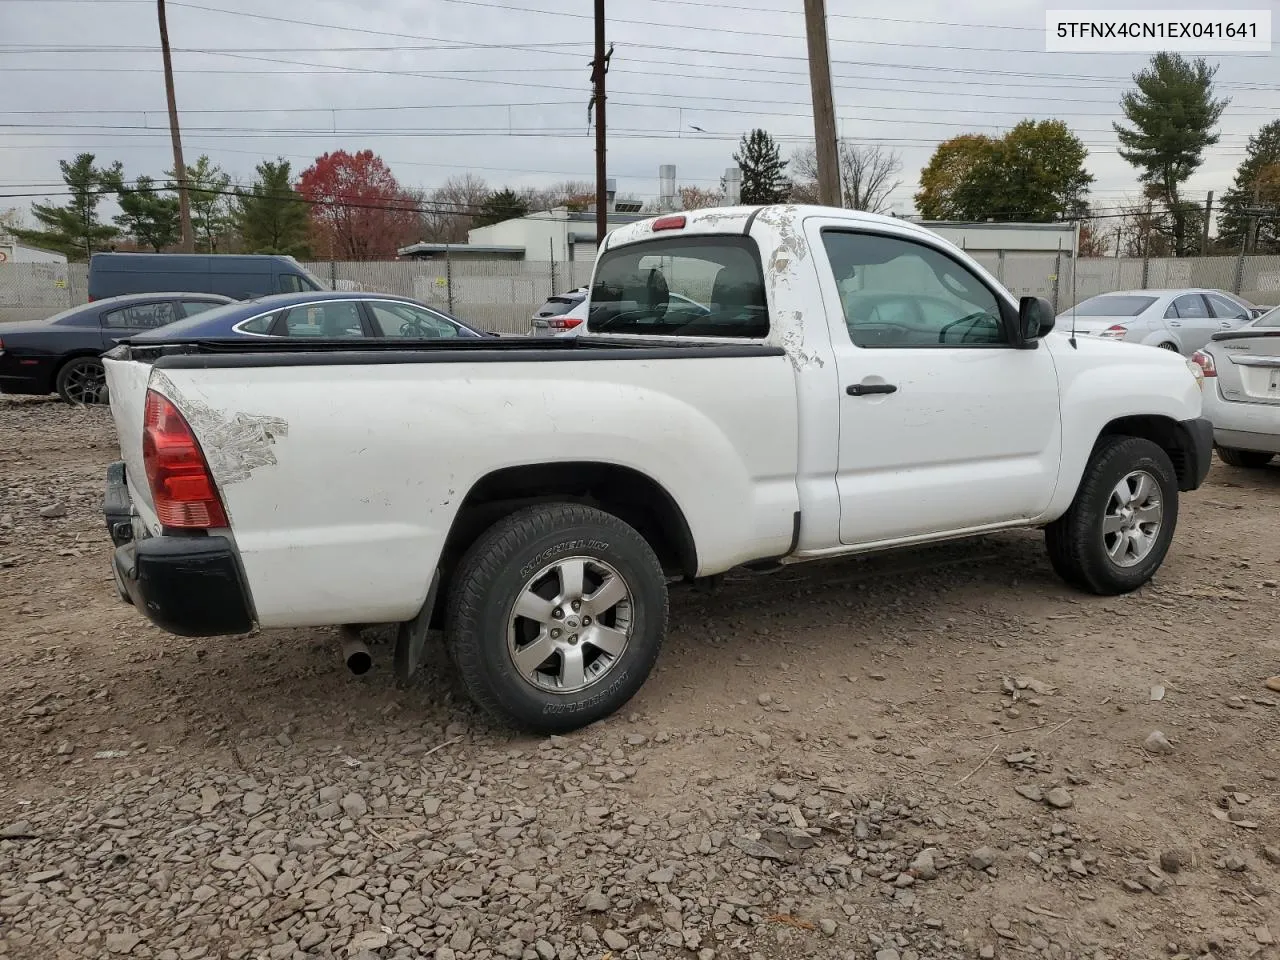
x: 451, y: 86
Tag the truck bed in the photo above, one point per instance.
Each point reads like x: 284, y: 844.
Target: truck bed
x: 342, y: 467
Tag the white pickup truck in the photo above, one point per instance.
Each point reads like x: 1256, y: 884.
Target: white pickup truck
x: 756, y: 386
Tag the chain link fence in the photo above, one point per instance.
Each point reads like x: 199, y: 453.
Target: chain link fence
x: 501, y: 295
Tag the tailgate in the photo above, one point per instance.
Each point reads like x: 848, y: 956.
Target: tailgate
x: 127, y: 382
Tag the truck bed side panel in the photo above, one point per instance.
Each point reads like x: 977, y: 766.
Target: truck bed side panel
x: 342, y: 481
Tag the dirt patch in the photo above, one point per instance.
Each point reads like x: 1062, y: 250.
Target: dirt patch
x: 939, y: 753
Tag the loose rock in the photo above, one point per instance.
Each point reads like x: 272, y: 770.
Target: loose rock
x: 1059, y: 798
x: 1157, y: 743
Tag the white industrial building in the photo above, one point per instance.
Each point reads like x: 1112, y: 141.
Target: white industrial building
x: 14, y: 251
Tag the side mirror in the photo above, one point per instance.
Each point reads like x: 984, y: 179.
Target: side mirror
x: 1035, y: 319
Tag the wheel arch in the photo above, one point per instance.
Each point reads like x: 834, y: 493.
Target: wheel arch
x: 633, y: 497
x: 1168, y: 434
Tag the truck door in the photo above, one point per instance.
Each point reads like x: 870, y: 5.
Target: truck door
x: 944, y: 425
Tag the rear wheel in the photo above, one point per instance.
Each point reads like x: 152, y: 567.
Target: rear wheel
x: 1118, y: 529
x: 1169, y: 346
x: 1251, y: 459
x: 557, y: 616
x: 82, y: 380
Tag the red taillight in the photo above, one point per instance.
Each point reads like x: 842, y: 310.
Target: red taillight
x: 1117, y: 331
x: 182, y: 487
x: 669, y: 223
x: 563, y: 323
x: 1205, y: 362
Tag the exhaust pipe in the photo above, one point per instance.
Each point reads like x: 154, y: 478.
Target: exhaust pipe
x: 354, y: 652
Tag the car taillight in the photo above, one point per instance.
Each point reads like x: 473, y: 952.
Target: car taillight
x: 669, y: 223
x: 563, y: 323
x: 1205, y: 362
x: 1116, y: 331
x: 182, y: 487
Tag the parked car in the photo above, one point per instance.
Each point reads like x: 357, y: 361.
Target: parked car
x: 1242, y: 391
x: 570, y: 324
x: 60, y: 354
x: 534, y: 495
x: 1178, y: 320
x: 326, y: 314
x: 551, y: 316
x: 239, y: 276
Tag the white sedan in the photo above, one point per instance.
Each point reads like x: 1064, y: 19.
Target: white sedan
x: 1178, y: 320
x: 1242, y: 391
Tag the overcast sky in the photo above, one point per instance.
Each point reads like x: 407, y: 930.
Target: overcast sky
x: 443, y: 87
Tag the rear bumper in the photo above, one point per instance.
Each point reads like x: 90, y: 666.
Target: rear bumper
x: 191, y: 586
x: 1242, y: 425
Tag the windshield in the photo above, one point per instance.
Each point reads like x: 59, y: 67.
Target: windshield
x: 1112, y: 306
x: 556, y: 306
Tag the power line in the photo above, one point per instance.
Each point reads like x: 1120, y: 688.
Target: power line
x: 101, y: 111
x: 686, y: 27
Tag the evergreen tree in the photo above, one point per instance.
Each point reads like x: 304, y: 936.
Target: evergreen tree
x: 764, y: 172
x: 271, y: 217
x: 74, y: 229
x: 1173, y: 114
x: 504, y: 204
x: 147, y: 215
x: 1258, y: 176
x: 212, y: 208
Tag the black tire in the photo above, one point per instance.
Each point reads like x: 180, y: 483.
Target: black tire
x: 1169, y: 346
x: 81, y: 380
x: 496, y: 571
x: 1250, y: 459
x: 1076, y: 542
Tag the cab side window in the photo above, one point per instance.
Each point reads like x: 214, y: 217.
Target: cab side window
x: 899, y: 293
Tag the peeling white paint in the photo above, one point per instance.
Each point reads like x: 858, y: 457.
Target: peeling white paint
x: 234, y: 445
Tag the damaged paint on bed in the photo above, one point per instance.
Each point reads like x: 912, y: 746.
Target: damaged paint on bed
x: 233, y: 445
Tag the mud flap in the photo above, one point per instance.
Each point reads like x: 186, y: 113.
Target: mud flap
x: 411, y: 636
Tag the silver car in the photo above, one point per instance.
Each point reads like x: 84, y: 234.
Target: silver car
x: 1241, y: 389
x: 1180, y: 320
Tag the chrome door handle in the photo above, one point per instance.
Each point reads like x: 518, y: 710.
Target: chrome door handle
x: 1174, y: 323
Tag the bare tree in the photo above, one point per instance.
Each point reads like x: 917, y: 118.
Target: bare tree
x: 575, y: 194
x: 448, y: 210
x: 695, y: 198
x: 868, y: 175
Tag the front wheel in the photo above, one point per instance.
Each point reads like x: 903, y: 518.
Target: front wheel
x: 82, y: 380
x: 1251, y: 459
x: 1118, y: 529
x: 556, y: 617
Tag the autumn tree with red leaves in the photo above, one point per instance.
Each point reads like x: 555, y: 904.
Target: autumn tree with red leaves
x: 359, y: 211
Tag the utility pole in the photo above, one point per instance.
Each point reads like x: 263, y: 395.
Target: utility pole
x: 179, y: 168
x: 599, y: 67
x: 824, y: 110
x: 1204, y: 237
x: 1146, y: 246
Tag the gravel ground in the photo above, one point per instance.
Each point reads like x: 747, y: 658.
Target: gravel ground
x: 935, y: 754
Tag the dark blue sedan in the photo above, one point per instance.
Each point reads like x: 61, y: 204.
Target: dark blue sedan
x: 317, y: 314
x: 60, y: 354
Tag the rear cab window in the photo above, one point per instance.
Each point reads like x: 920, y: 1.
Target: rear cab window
x: 709, y: 286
